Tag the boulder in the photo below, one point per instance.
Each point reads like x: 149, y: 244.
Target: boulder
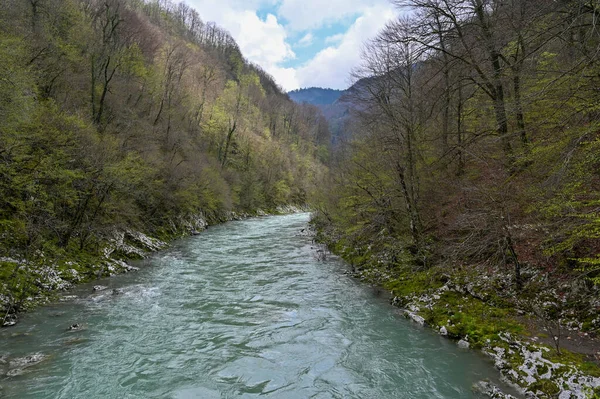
x: 10, y: 321
x: 75, y: 327
x: 463, y: 344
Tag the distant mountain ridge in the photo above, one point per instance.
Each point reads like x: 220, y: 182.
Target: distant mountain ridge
x: 335, y: 105
x: 316, y: 95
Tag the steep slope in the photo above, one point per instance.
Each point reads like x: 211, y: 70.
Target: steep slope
x: 336, y: 106
x: 122, y: 120
x: 316, y: 96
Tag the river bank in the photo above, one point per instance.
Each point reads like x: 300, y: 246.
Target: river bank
x: 528, y: 334
x: 25, y: 285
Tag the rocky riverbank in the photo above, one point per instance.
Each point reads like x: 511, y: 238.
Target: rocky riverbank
x: 58, y: 273
x: 529, y: 334
x: 535, y: 369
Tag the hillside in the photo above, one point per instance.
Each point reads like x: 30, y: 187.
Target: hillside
x: 125, y: 123
x: 335, y: 106
x: 316, y: 96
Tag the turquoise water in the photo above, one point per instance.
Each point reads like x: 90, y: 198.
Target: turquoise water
x: 244, y: 310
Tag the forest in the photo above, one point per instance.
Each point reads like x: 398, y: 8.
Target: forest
x: 475, y: 163
x: 126, y: 123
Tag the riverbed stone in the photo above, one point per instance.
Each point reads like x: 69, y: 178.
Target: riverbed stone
x: 491, y: 391
x: 415, y: 317
x: 75, y: 327
x: 100, y: 288
x: 463, y: 344
x: 9, y: 322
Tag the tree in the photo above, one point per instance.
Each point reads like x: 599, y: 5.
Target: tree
x: 388, y: 93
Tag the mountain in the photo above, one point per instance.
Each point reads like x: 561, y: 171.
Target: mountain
x: 316, y: 96
x: 125, y: 123
x: 336, y: 106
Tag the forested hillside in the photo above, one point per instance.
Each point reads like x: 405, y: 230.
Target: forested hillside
x: 316, y: 95
x: 477, y: 162
x: 123, y: 117
x: 335, y: 106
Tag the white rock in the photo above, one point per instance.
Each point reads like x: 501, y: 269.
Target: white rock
x: 443, y: 330
x: 463, y: 344
x: 416, y: 318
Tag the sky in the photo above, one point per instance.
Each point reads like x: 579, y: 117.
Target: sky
x: 301, y: 43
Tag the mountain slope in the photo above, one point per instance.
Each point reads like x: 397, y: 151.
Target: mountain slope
x: 316, y: 96
x: 122, y: 119
x: 335, y: 106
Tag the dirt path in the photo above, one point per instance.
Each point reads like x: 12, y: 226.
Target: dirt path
x: 584, y: 343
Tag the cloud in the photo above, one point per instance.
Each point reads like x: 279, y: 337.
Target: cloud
x: 285, y: 77
x: 334, y: 39
x: 215, y: 10
x: 302, y: 15
x: 266, y: 41
x: 306, y: 41
x: 261, y: 41
x: 331, y: 67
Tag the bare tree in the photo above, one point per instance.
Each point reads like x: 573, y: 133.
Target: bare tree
x: 386, y: 88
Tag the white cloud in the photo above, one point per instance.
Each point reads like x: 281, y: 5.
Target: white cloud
x: 334, y: 39
x: 285, y: 77
x: 302, y: 15
x: 331, y: 67
x: 263, y: 42
x: 267, y: 41
x: 214, y: 10
x: 306, y: 41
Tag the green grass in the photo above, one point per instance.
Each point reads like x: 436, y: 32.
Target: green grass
x: 414, y: 283
x: 546, y: 386
x: 471, y: 317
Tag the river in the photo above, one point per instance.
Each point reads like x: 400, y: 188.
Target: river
x: 244, y: 310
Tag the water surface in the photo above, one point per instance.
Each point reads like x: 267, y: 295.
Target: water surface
x: 244, y: 310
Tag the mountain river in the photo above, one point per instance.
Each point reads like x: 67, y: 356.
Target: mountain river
x: 244, y: 310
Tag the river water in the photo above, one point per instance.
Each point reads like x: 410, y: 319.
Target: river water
x: 244, y: 310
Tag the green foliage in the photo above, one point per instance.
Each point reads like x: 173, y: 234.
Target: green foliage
x: 545, y: 386
x: 117, y: 116
x: 575, y: 202
x: 17, y: 89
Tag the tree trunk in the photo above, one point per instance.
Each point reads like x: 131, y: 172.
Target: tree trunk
x: 519, y: 109
x: 228, y: 143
